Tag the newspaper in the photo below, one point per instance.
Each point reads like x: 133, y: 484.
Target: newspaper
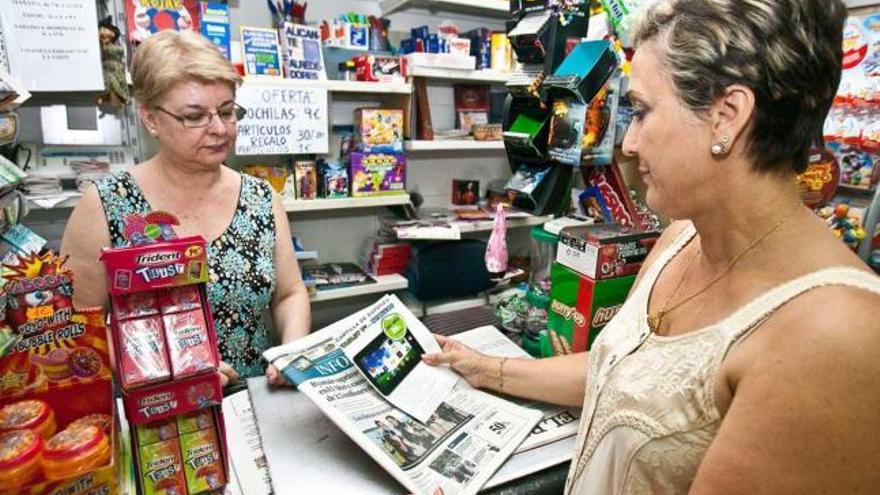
x: 556, y: 422
x: 249, y: 473
x: 460, y: 445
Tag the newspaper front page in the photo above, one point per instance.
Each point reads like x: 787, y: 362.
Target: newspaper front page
x: 458, y: 448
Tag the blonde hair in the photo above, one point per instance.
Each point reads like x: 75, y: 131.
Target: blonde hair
x: 788, y: 52
x: 170, y: 57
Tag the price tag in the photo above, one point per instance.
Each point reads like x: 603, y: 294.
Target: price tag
x: 282, y: 119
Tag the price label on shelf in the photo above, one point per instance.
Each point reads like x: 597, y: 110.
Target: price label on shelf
x: 282, y: 119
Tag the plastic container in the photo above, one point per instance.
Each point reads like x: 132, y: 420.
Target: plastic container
x: 542, y: 252
x: 75, y: 451
x: 19, y: 458
x: 29, y: 414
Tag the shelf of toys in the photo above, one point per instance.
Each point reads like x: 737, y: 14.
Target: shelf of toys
x: 852, y: 134
x: 166, y: 357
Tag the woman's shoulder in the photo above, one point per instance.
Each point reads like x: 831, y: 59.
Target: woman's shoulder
x: 255, y: 189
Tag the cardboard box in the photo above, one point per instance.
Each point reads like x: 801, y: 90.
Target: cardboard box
x: 604, y: 251
x: 378, y: 130
x: 580, y: 307
x: 376, y: 174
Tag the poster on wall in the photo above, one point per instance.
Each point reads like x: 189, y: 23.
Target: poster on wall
x: 52, y: 45
x: 261, y: 51
x: 302, y: 48
x: 282, y: 119
x: 147, y: 17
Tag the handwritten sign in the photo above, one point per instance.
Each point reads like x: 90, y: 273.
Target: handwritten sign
x: 52, y: 45
x: 282, y: 119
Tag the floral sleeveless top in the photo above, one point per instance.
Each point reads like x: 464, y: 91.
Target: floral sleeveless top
x: 241, y: 263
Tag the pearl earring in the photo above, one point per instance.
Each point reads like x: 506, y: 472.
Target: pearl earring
x: 717, y: 149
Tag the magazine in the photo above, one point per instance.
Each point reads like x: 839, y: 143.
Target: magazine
x: 145, y: 18
x: 460, y: 444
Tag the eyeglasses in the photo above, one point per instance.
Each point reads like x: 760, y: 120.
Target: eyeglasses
x: 202, y: 118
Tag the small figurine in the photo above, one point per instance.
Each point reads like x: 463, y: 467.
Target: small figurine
x: 113, y: 59
x: 847, y: 228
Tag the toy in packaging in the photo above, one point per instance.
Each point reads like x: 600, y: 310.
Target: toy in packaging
x: 377, y: 173
x: 19, y: 458
x: 75, y: 451
x: 144, y: 358
x: 564, y: 145
x: 378, y: 130
x: 59, y: 359
x: 34, y: 415
x: 161, y: 468
x: 202, y: 460
x: 471, y: 105
x: 188, y: 344
x: 604, y: 251
x: 334, y: 179
x: 306, y: 179
x: 376, y: 68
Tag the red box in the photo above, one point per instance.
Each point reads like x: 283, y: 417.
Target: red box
x: 166, y: 400
x: 142, y: 355
x: 182, y: 298
x: 604, y: 251
x: 189, y: 346
x: 156, y: 266
x: 136, y: 305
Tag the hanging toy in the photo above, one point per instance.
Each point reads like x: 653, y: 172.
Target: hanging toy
x: 116, y: 93
x: 496, y: 251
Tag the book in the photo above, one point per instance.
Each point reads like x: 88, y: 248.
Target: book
x: 144, y: 18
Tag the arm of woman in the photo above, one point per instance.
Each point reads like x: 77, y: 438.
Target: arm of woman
x: 85, y: 234
x: 804, y: 414
x: 290, y: 303
x: 526, y: 378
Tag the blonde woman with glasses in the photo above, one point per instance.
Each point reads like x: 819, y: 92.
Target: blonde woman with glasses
x: 185, y: 90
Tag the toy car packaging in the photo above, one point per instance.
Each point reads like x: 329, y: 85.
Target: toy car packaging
x: 57, y: 420
x: 166, y: 354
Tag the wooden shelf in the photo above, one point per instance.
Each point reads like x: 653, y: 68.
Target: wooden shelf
x: 368, y: 87
x: 344, y: 203
x: 452, y: 144
x: 499, y: 9
x: 384, y: 283
x: 458, y: 75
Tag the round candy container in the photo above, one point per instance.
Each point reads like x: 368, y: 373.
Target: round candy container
x: 19, y: 458
x: 29, y: 414
x: 103, y: 421
x: 75, y: 451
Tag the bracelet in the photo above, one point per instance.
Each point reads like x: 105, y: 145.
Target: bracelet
x: 501, y: 374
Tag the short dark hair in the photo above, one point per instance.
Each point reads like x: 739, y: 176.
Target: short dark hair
x: 788, y: 52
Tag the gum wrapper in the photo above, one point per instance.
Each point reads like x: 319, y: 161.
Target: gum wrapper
x: 183, y: 298
x: 195, y: 421
x: 162, y: 469
x: 135, y: 305
x: 202, y: 463
x: 157, y: 431
x: 143, y: 352
x: 188, y: 345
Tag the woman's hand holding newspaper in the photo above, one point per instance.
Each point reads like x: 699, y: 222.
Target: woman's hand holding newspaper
x: 478, y: 369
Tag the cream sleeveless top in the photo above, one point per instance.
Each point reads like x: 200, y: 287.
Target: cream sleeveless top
x: 649, y: 411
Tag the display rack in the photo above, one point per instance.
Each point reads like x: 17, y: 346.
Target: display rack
x: 452, y: 144
x: 368, y: 87
x: 512, y: 223
x: 488, y: 8
x: 384, y: 283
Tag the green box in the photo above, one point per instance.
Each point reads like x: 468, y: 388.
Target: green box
x: 580, y: 307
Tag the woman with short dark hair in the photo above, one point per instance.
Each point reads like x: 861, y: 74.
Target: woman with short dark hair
x: 745, y: 359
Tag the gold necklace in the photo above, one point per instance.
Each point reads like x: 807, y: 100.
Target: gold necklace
x: 655, y: 320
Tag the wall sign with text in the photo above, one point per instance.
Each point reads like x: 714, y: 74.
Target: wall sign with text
x: 282, y: 119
